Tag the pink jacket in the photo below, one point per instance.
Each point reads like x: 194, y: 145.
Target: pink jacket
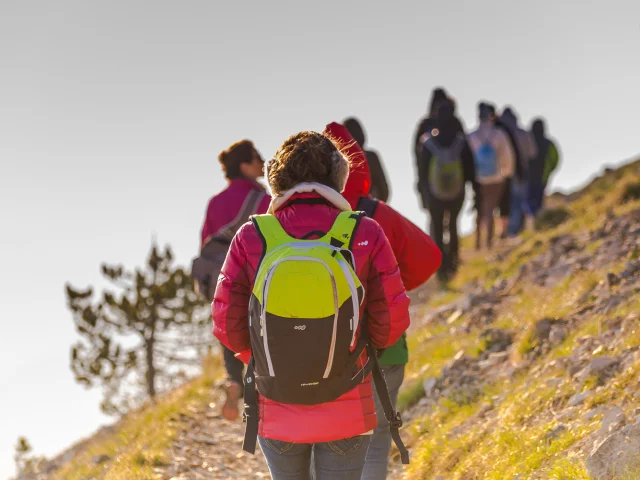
x: 224, y: 206
x: 386, y: 307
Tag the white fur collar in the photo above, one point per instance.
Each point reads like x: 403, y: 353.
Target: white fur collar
x: 326, y: 192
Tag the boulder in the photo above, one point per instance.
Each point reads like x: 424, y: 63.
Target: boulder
x: 614, y: 419
x: 579, y: 398
x: 617, y: 455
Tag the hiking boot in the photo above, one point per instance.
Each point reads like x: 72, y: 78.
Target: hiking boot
x: 230, y: 409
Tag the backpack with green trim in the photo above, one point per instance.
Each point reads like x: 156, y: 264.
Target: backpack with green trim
x: 304, y: 314
x: 446, y: 173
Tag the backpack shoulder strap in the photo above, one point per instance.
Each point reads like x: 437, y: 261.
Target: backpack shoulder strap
x: 249, y: 206
x: 368, y: 205
x: 270, y: 230
x: 343, y: 229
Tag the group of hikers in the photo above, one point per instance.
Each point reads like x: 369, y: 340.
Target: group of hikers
x: 507, y: 166
x: 308, y: 281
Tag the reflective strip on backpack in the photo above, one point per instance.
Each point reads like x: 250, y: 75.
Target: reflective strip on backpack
x: 354, y: 298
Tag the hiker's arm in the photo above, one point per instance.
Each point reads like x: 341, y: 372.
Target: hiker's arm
x: 230, y: 307
x: 207, y: 227
x: 417, y: 254
x: 387, y: 307
x: 468, y: 164
x: 506, y: 155
x: 417, y: 144
x: 423, y: 175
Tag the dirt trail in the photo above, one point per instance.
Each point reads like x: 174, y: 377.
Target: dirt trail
x: 210, y: 447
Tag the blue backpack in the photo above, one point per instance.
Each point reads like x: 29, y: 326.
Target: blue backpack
x: 486, y: 160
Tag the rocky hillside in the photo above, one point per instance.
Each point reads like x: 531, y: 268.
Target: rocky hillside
x: 529, y: 367
x: 526, y: 367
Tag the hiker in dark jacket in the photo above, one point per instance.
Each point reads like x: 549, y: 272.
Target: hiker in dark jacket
x: 379, y: 185
x: 242, y: 165
x: 427, y: 123
x: 541, y: 166
x: 444, y: 195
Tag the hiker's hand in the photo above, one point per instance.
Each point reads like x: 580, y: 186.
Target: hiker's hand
x: 244, y: 357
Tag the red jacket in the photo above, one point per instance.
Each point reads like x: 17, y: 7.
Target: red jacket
x: 417, y: 254
x: 224, y: 206
x: 386, y: 305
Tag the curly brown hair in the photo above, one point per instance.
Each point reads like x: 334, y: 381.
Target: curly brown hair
x: 307, y: 157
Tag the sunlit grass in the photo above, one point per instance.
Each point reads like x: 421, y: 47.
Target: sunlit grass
x: 142, y: 439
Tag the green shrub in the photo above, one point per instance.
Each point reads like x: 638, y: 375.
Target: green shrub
x: 552, y: 218
x: 631, y: 193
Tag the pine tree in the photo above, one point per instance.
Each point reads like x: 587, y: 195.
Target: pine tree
x: 144, y: 335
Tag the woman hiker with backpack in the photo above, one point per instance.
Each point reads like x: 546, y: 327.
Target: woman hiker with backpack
x: 494, y: 163
x: 226, y: 213
x: 310, y: 292
x: 418, y: 258
x: 445, y: 165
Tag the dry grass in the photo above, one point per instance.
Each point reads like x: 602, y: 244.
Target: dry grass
x: 142, y: 438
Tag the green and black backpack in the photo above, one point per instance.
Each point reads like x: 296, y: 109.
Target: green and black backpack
x: 304, y: 315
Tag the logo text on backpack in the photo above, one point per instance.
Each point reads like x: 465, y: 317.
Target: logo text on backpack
x: 309, y: 384
x: 300, y: 327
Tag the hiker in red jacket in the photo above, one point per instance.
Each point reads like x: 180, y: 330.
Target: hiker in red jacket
x: 418, y: 259
x: 306, y: 176
x: 227, y: 211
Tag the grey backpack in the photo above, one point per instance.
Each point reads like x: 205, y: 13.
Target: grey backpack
x: 205, y: 268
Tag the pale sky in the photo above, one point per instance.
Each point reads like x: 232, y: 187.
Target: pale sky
x: 112, y: 115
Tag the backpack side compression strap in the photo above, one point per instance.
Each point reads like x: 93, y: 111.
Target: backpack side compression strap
x: 250, y: 415
x: 344, y: 229
x: 393, y: 417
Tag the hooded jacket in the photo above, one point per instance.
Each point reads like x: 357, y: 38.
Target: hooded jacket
x: 385, y: 306
x: 427, y: 123
x: 417, y: 255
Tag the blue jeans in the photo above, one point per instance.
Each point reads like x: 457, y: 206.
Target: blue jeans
x: 337, y: 460
x: 536, y: 197
x: 519, y: 206
x: 375, y: 467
